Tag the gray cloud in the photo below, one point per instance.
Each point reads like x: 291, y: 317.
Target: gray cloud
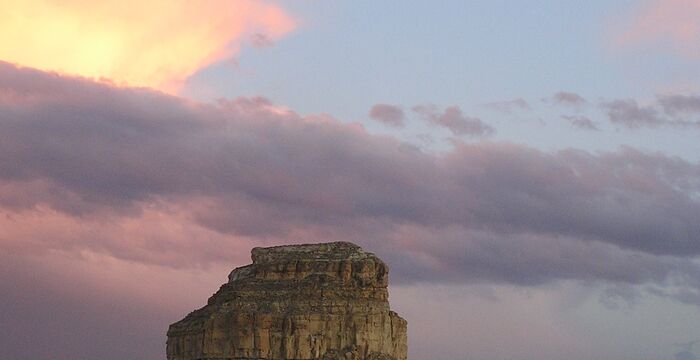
x: 261, y: 40
x: 453, y: 119
x: 388, y: 114
x: 566, y: 98
x: 629, y: 114
x: 581, y: 122
x: 508, y: 106
x: 676, y: 104
x: 247, y: 170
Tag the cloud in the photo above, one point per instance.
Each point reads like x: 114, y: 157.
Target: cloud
x: 453, y: 119
x: 673, y: 24
x: 138, y: 43
x: 567, y: 99
x: 143, y: 177
x: 261, y: 40
x: 388, y: 114
x: 508, y: 106
x: 677, y: 104
x: 629, y: 114
x: 581, y: 122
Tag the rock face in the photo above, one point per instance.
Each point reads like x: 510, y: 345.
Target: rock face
x: 321, y: 301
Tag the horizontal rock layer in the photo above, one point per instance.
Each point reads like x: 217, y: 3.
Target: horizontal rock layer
x: 318, y: 301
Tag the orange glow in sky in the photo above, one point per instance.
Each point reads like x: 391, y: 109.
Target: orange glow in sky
x: 156, y: 43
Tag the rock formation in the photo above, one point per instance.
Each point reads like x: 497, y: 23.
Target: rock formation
x: 321, y: 301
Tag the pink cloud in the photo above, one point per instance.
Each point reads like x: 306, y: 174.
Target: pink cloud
x: 145, y: 177
x: 453, y: 119
x: 669, y: 23
x: 388, y: 114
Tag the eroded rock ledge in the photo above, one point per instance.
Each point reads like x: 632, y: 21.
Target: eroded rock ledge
x: 317, y: 301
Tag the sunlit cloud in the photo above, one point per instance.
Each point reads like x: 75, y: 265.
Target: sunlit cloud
x: 672, y: 24
x: 156, y: 43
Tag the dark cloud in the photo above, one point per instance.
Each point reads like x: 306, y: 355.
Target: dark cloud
x: 388, y: 114
x: 629, y: 114
x: 465, y: 256
x: 453, y: 119
x: 567, y: 99
x: 508, y: 106
x: 675, y: 104
x: 99, y: 161
x: 581, y: 122
x: 261, y: 40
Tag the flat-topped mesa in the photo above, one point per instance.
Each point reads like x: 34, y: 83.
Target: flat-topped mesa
x: 339, y: 250
x: 338, y: 264
x: 313, y: 301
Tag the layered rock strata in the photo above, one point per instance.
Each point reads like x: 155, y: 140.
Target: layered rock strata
x: 320, y: 301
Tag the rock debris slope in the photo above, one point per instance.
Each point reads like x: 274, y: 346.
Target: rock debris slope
x: 320, y: 301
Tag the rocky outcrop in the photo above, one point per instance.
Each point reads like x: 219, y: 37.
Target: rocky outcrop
x: 319, y: 301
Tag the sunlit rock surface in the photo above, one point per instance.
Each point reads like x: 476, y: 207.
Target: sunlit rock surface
x: 319, y: 301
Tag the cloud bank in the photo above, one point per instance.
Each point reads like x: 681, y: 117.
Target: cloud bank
x: 154, y: 179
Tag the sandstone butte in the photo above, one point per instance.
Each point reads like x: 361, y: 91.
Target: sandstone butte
x: 317, y: 301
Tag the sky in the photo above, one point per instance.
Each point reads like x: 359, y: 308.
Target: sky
x: 530, y: 171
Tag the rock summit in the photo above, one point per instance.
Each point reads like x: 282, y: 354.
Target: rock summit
x: 316, y: 301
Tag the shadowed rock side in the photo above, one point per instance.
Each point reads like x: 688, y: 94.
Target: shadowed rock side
x: 320, y: 301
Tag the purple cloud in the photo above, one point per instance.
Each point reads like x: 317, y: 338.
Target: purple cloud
x: 676, y: 104
x: 261, y: 40
x: 566, y: 98
x: 388, y: 114
x: 453, y: 119
x: 158, y: 180
x: 508, y: 106
x: 581, y: 122
x: 629, y: 114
